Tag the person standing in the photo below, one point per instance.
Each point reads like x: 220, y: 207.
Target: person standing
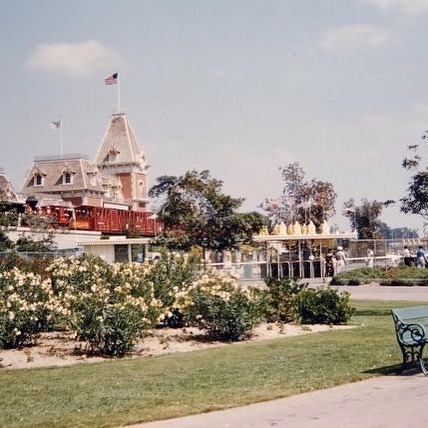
x: 420, y: 257
x: 370, y: 258
x: 329, y: 263
x: 341, y: 260
x: 407, y: 257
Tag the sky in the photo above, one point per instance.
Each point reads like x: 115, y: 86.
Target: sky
x: 239, y: 88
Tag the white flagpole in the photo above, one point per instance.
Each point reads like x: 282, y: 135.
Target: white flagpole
x: 60, y: 136
x: 118, y: 92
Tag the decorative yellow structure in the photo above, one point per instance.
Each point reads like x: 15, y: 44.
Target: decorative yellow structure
x: 296, y: 230
x: 288, y: 248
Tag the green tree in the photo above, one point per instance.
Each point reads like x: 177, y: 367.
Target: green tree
x: 365, y: 217
x: 196, y: 212
x: 302, y: 201
x: 8, y: 218
x: 42, y: 232
x: 8, y: 214
x: 416, y: 200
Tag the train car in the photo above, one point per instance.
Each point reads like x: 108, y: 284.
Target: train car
x: 106, y: 220
x: 114, y: 221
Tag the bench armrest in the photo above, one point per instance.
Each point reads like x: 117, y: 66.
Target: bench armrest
x: 410, y: 333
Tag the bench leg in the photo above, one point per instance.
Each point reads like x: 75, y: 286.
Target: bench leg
x: 411, y: 354
x: 424, y: 370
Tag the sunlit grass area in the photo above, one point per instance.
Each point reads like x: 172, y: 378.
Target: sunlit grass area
x: 120, y: 392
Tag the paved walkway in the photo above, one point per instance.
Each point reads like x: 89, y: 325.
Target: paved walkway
x: 385, y: 401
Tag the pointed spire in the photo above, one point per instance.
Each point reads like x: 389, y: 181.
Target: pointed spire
x: 120, y: 148
x: 120, y: 155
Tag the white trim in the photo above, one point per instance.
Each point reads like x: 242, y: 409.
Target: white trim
x: 116, y: 241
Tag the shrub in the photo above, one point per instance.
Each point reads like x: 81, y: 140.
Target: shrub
x: 406, y: 272
x: 26, y: 307
x: 400, y: 275
x: 106, y: 306
x: 110, y: 329
x: 323, y: 306
x: 278, y: 299
x: 218, y: 305
x: 36, y: 265
x: 337, y: 280
x: 172, y: 274
x: 357, y: 276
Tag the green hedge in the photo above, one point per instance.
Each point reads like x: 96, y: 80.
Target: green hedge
x: 401, y: 275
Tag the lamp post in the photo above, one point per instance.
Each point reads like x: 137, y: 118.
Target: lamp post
x: 31, y: 201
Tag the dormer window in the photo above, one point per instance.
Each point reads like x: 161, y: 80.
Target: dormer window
x: 67, y: 178
x: 112, y: 154
x: 67, y: 175
x: 93, y: 179
x: 38, y: 180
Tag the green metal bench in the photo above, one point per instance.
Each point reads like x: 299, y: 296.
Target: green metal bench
x: 411, y: 328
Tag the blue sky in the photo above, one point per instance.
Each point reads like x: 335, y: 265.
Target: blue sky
x: 236, y: 87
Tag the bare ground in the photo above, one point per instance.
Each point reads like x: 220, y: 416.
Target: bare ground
x: 59, y: 349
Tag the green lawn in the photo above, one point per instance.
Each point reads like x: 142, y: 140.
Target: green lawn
x: 122, y: 392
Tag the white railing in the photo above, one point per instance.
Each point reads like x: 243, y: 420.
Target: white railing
x: 259, y: 270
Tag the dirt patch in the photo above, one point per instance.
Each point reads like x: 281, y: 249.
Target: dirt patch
x: 59, y: 348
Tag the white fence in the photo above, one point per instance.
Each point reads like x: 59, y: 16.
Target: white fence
x: 260, y: 270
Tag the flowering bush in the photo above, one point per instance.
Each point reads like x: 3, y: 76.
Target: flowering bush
x: 172, y: 274
x: 36, y: 265
x: 110, y: 306
x: 106, y: 306
x: 27, y: 306
x: 217, y: 304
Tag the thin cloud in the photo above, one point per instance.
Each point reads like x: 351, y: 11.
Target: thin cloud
x: 79, y: 59
x: 411, y: 7
x: 220, y: 74
x: 360, y: 35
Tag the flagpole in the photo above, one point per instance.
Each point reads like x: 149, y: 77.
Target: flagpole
x: 60, y: 136
x: 118, y: 92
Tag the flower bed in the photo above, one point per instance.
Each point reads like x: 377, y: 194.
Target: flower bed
x: 110, y: 309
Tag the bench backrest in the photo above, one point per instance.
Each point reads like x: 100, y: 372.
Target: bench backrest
x: 412, y: 313
x: 411, y: 325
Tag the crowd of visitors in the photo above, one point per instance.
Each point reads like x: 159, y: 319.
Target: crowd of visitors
x: 411, y: 259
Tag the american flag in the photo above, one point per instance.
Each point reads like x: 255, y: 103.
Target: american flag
x: 111, y: 80
x: 55, y: 124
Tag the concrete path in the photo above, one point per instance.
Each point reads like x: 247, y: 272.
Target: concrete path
x: 387, y: 401
x: 384, y: 401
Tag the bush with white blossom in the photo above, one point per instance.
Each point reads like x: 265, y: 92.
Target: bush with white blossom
x: 27, y: 307
x: 219, y: 305
x: 107, y: 306
x: 173, y: 273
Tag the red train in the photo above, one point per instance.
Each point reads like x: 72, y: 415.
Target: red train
x: 105, y: 220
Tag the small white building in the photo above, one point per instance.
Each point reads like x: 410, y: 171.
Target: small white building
x: 119, y: 249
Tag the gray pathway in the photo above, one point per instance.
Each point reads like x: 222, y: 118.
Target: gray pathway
x: 385, y: 401
x: 388, y: 401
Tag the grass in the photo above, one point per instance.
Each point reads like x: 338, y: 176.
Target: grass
x: 121, y: 392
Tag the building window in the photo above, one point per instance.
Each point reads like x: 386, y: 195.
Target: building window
x: 66, y: 178
x: 38, y: 180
